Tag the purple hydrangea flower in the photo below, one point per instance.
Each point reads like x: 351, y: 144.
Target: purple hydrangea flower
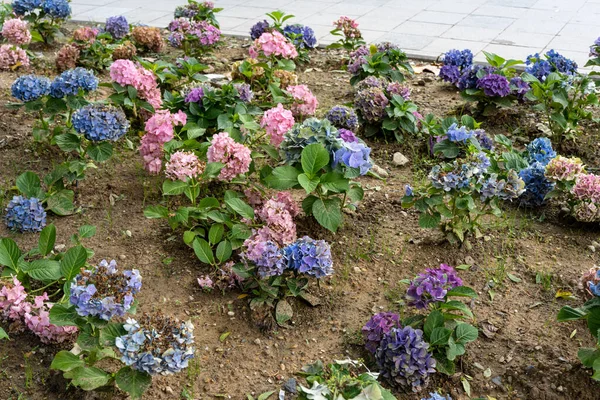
x: 399, y: 89
x: 302, y: 36
x: 484, y: 140
x: 456, y: 134
x: 245, y: 92
x: 519, y: 88
x: 105, y: 292
x: 377, y: 327
x: 357, y: 59
x: 468, y: 77
x: 494, y: 85
x: 347, y: 136
x: 595, y: 48
x: 25, y: 215
x: 309, y: 256
x: 408, y: 190
x: 371, y: 103
x: 458, y: 58
x: 436, y: 396
x: 258, y: 29
x: 342, y: 117
x: 404, y: 358
x: 195, y: 95
x: 118, y: 27
x: 450, y: 73
x: 431, y: 286
x: 354, y: 155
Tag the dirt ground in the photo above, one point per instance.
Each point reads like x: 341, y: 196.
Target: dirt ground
x: 522, y: 352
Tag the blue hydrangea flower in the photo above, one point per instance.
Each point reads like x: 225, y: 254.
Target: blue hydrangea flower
x: 157, y: 344
x: 505, y: 189
x: 105, y: 292
x: 404, y: 359
x: 30, y: 87
x: 459, y: 174
x: 436, y: 396
x: 408, y: 190
x: 309, y: 256
x: 519, y: 88
x: 458, y: 58
x: 450, y: 73
x: 456, y: 134
x: 69, y: 82
x: 469, y: 76
x: 342, y: 117
x: 22, y: 7
x: 118, y: 27
x: 271, y: 262
x: 57, y: 8
x: 540, y: 150
x: 302, y: 36
x: 536, y: 185
x: 553, y: 62
x: 354, y: 155
x: 258, y: 29
x: 484, y: 140
x: 376, y: 327
x: 25, y: 215
x: 98, y: 122
x: 245, y: 92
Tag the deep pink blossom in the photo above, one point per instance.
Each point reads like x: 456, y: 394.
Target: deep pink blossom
x: 127, y: 73
x: 277, y: 121
x: 159, y: 130
x: 235, y: 156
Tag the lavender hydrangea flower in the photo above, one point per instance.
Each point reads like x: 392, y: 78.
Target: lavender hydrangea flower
x: 309, y: 256
x: 258, y: 29
x: 469, y: 76
x: 372, y: 82
x: 105, y: 292
x: 354, y: 155
x: 505, y: 189
x: 117, y: 26
x: 99, y: 122
x: 245, y: 92
x: 519, y: 88
x: 450, y: 74
x: 540, y: 150
x: 456, y: 134
x: 484, y: 140
x: 595, y: 48
x: 436, y: 396
x: 371, y: 103
x: 156, y: 344
x: 25, y: 215
x: 302, y: 36
x: 357, y: 59
x: 71, y: 81
x: 537, y: 186
x: 347, y: 136
x: 431, y: 286
x: 30, y: 87
x: 408, y: 190
x: 379, y: 325
x: 404, y: 358
x: 399, y: 89
x: 494, y: 85
x: 266, y: 255
x: 195, y: 95
x: 458, y: 58
x: 342, y: 117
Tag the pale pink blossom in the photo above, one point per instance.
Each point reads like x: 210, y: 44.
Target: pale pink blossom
x: 16, y: 31
x: 279, y: 222
x: 305, y: 102
x: 183, y: 165
x: 277, y: 121
x: 274, y: 44
x: 235, y: 156
x: 587, y: 187
x: 12, y: 57
x: 564, y: 169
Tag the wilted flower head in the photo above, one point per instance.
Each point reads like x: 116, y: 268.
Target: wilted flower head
x: 431, y: 286
x: 305, y: 102
x: 494, y: 85
x: 302, y: 36
x: 99, y: 122
x: 156, y: 344
x: 505, y: 189
x: 67, y: 57
x: 399, y: 89
x: 235, y: 156
x: 30, y: 87
x: 309, y: 256
x: 12, y: 57
x: 148, y: 38
x: 25, y: 215
x: 85, y: 34
x: 379, y: 325
x: 37, y: 320
x: 184, y: 165
x: 244, y: 91
x: 404, y: 358
x: 277, y: 121
x: 70, y: 82
x: 372, y: 82
x: 564, y: 169
x: 342, y: 117
x: 205, y: 282
x: 436, y: 396
x: 117, y: 26
x: 371, y: 104
x: 16, y: 31
x: 586, y: 211
x: 105, y: 292
x: 540, y: 150
x: 125, y: 51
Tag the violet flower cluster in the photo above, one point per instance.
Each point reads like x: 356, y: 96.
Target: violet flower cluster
x: 494, y: 85
x: 99, y: 122
x: 371, y: 103
x: 157, y: 344
x: 259, y: 28
x: 105, y: 292
x: 404, y: 359
x: 377, y: 327
x: 25, y: 215
x: 30, y: 87
x: 437, y: 396
x: 303, y: 37
x: 342, y: 117
x: 354, y: 155
x: 117, y: 26
x: 197, y: 32
x: 455, y: 61
x: 432, y: 286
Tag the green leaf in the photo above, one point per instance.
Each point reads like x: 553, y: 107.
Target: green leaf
x: 173, y: 188
x: 87, y: 340
x: 435, y: 319
x: 568, y: 313
x: 212, y: 170
x: 156, y: 212
x: 447, y: 148
x: 68, y: 142
x: 593, y: 321
x: 444, y: 365
x: 308, y: 184
x: 454, y: 349
x: 88, y: 378
x: 587, y: 356
x: 462, y: 291
x: 9, y: 254
x: 429, y: 221
x: 465, y: 333
x: 133, y: 382
x: 110, y: 333
x: 47, y: 239
x: 282, y: 178
x: 327, y: 213
x: 63, y: 315
x: 3, y: 334
x: 454, y: 305
x: 87, y: 231
x: 203, y: 251
x: 100, y: 152
x: 66, y: 361
x: 61, y: 202
x: 215, y: 234
x: 314, y: 157
x: 439, y: 336
x: 73, y: 261
x: 240, y: 207
x: 29, y: 184
x: 224, y: 250
x: 337, y: 183
x: 43, y: 270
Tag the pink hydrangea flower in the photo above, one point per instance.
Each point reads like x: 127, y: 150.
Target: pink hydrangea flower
x: 274, y: 44
x: 38, y: 321
x: 290, y: 204
x: 348, y: 26
x: 253, y: 197
x: 182, y: 166
x: 587, y: 187
x: 205, y: 282
x: 12, y: 300
x: 235, y: 156
x: 279, y: 221
x: 15, y: 31
x: 277, y: 121
x: 159, y: 130
x: 12, y: 57
x: 564, y: 169
x: 85, y: 34
x: 305, y: 103
x: 127, y: 73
